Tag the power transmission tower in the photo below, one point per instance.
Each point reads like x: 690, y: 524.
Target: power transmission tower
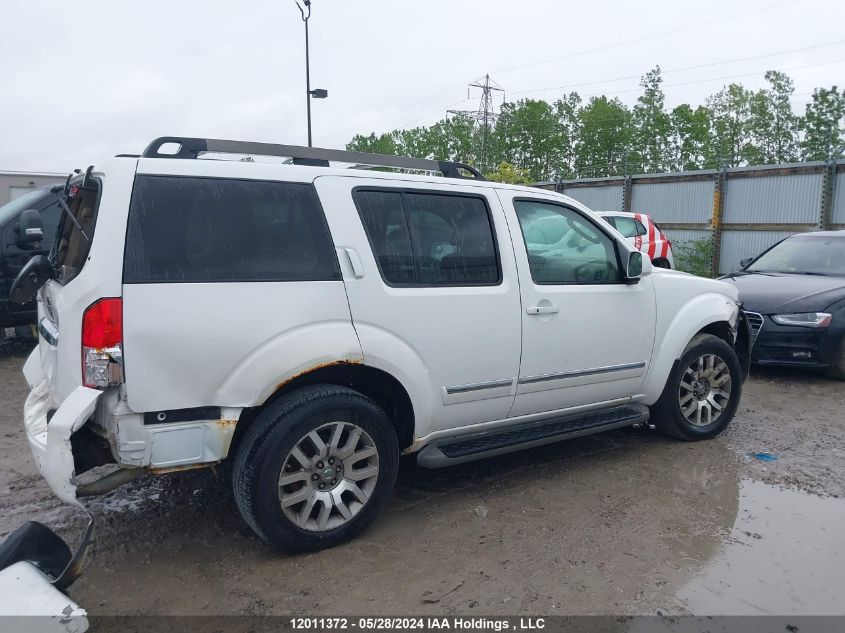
x: 485, y: 115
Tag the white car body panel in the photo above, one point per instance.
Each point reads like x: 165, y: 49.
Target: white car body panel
x: 687, y: 305
x: 63, y: 305
x: 29, y: 602
x: 233, y: 336
x: 459, y: 352
x: 50, y: 442
x: 584, y: 353
x: 460, y: 342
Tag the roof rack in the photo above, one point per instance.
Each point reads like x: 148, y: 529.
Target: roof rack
x: 314, y: 156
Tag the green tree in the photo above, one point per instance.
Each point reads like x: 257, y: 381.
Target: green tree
x: 381, y: 144
x: 529, y: 136
x: 730, y: 140
x: 652, y: 126
x: 506, y: 172
x: 824, y: 120
x: 689, y: 137
x: 605, y: 126
x: 772, y: 125
x: 569, y: 131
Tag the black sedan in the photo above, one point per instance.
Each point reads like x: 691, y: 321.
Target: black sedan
x: 794, y: 294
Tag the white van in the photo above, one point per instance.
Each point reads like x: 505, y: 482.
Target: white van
x: 313, y: 323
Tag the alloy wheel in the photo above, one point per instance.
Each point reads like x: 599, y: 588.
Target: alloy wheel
x: 328, y: 476
x: 705, y: 390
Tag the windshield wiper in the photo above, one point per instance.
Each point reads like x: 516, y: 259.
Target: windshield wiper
x: 768, y: 273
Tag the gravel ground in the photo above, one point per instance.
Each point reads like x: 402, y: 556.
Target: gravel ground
x: 627, y: 522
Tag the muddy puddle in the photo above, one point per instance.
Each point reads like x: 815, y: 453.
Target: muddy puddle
x: 785, y: 554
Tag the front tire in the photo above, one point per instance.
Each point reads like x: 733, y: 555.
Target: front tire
x: 837, y: 369
x: 702, y: 392
x: 315, y: 468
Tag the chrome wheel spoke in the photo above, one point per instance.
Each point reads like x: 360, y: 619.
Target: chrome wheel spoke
x: 362, y: 454
x: 356, y: 491
x: 319, y: 444
x: 362, y: 473
x: 300, y: 457
x: 297, y: 497
x: 341, y: 506
x: 337, y: 431
x: 291, y: 478
x: 306, y: 511
x: 351, y: 443
x: 325, y: 512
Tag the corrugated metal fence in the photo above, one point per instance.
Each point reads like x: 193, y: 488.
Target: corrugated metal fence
x: 742, y: 211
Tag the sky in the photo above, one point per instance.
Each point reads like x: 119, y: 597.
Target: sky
x: 82, y: 81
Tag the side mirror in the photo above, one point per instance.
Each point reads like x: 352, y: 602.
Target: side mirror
x: 745, y: 262
x: 31, y: 277
x: 634, y: 269
x: 30, y: 229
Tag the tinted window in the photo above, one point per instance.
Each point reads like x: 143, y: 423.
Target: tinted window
x: 206, y: 229
x: 430, y: 239
x: 564, y: 247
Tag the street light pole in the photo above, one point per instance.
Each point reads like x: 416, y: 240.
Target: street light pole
x: 304, y: 7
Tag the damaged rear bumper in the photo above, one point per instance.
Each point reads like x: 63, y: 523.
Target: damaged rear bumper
x: 49, y: 440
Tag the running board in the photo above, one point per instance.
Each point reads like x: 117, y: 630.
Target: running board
x: 466, y: 448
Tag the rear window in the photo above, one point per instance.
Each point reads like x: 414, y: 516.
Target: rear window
x: 214, y: 230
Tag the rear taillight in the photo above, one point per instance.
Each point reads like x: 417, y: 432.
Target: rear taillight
x: 102, y: 343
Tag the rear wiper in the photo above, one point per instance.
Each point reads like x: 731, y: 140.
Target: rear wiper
x: 72, y: 218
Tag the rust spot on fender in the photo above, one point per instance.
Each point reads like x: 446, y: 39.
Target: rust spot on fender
x: 225, y: 424
x: 346, y: 361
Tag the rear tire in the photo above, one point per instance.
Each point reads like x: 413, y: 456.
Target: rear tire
x: 702, y: 392
x: 661, y: 262
x: 315, y: 468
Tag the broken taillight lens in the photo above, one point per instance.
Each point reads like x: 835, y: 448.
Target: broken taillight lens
x: 102, y: 343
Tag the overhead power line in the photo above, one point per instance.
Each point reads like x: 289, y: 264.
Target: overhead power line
x: 682, y: 69
x: 643, y: 38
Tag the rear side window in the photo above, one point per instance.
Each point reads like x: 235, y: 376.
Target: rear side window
x: 430, y: 239
x: 213, y: 230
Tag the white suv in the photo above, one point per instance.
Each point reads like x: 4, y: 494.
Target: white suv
x: 312, y: 323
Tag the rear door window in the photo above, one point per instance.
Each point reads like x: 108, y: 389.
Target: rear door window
x: 193, y: 230
x: 430, y: 239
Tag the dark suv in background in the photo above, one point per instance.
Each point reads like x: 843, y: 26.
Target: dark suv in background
x: 19, y: 242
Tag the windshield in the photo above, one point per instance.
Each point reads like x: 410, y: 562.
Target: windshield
x: 813, y: 255
x: 26, y: 201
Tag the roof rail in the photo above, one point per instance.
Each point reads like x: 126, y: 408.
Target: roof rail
x: 314, y: 156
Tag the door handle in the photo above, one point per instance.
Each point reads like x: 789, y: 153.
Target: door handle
x: 542, y: 310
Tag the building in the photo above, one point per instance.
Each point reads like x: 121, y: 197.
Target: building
x: 16, y: 183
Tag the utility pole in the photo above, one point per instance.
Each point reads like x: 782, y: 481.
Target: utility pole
x: 485, y: 115
x: 304, y: 7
